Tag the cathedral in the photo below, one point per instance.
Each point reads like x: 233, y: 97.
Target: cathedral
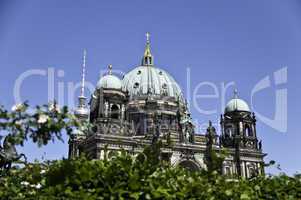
x: 147, y: 104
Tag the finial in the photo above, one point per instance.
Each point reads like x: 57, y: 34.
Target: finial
x: 235, y: 94
x: 82, y: 92
x: 147, y: 37
x: 147, y: 59
x: 110, y: 67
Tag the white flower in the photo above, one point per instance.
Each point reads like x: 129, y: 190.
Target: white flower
x: 24, y: 183
x: 51, y: 106
x: 43, y: 119
x: 38, y: 186
x: 18, y: 123
x: 43, y: 171
x: 17, y: 107
x: 54, y: 107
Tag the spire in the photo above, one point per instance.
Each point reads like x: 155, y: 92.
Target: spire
x: 147, y: 59
x: 82, y: 110
x: 82, y: 91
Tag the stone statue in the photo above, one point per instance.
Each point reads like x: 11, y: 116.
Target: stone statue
x: 9, y: 154
x: 156, y: 134
x: 187, y: 135
x: 106, y: 109
x: 211, y: 134
x: 186, y: 126
x: 122, y: 112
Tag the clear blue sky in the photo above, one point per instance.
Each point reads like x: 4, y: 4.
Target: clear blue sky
x: 220, y: 41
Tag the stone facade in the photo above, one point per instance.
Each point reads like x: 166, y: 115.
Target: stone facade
x: 148, y: 104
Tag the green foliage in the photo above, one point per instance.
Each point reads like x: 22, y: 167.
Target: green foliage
x: 41, y: 124
x: 121, y: 176
x: 124, y: 177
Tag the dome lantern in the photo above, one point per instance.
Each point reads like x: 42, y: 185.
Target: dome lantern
x: 148, y: 59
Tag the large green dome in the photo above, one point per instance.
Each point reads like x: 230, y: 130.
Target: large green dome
x: 145, y: 80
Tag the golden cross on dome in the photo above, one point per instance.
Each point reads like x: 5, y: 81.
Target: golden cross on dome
x: 110, y: 69
x: 235, y: 93
x: 147, y: 37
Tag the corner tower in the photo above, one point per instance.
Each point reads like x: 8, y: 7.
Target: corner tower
x: 239, y: 135
x: 239, y: 123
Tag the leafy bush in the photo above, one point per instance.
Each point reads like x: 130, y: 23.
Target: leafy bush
x: 121, y: 177
x: 41, y: 125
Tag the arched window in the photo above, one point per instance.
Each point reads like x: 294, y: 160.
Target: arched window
x: 139, y: 123
x: 252, y: 171
x: 189, y: 165
x: 227, y: 170
x: 249, y: 132
x: 229, y: 131
x: 112, y: 154
x: 115, y: 112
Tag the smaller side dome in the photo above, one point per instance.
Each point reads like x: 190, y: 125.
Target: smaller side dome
x: 109, y: 81
x: 237, y: 104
